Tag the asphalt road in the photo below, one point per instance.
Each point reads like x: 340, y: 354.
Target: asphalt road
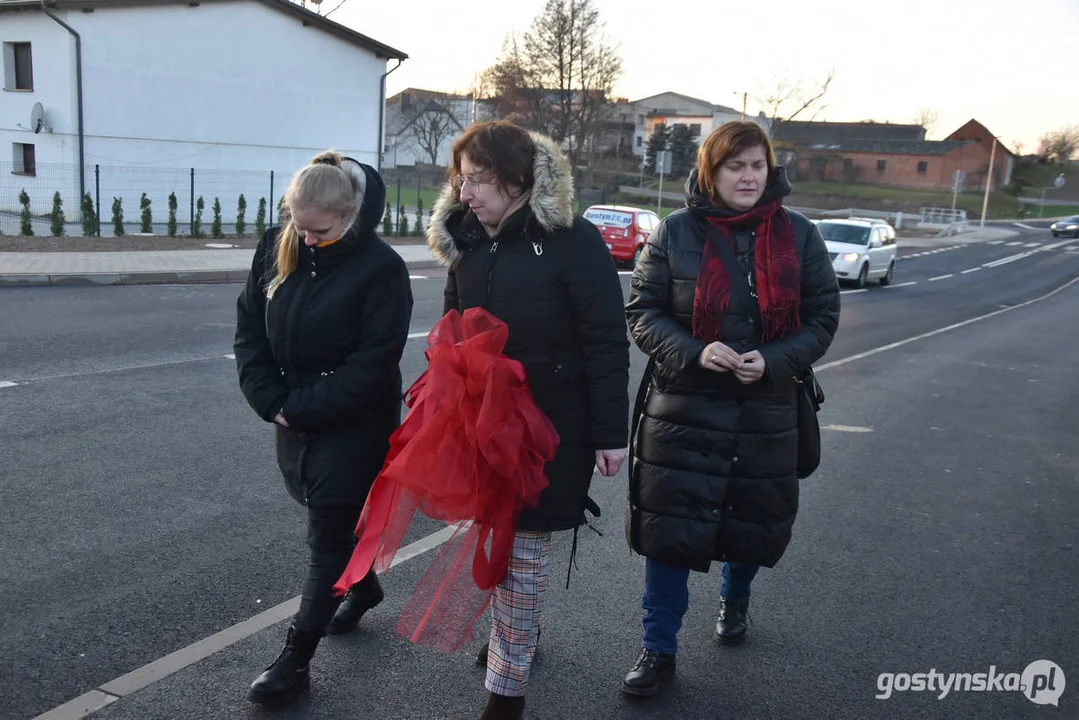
x: 142, y: 512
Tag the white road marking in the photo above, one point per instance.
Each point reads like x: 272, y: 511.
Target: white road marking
x: 1025, y: 227
x: 7, y: 383
x: 940, y: 331
x: 124, y: 368
x: 1009, y: 259
x: 1013, y: 244
x: 111, y: 691
x: 1059, y: 245
x: 852, y: 292
x: 906, y: 284
x: 972, y: 270
x: 230, y: 356
x: 163, y: 667
x: 418, y: 277
x: 413, y: 336
x: 995, y: 242
x: 1033, y: 244
x: 625, y: 272
x: 847, y: 428
x: 941, y: 277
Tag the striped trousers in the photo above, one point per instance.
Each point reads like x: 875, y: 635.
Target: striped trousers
x: 516, y: 609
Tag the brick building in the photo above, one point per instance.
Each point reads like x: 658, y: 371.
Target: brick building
x: 895, y: 155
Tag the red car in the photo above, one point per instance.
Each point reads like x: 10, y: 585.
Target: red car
x: 625, y: 229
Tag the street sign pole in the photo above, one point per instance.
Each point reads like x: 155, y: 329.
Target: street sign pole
x: 1057, y: 184
x: 659, y: 197
x: 663, y: 164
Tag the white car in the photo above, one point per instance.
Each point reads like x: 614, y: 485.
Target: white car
x: 861, y: 250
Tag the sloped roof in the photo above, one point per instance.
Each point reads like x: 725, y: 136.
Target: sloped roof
x: 308, y: 18
x: 809, y: 133
x: 697, y: 101
x: 893, y: 147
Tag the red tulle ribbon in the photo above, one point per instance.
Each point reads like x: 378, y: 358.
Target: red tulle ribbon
x: 470, y: 453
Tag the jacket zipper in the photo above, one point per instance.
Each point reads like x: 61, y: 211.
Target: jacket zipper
x: 292, y: 327
x: 491, y: 275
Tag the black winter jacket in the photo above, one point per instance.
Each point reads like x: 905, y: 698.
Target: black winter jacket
x: 713, y: 471
x: 549, y: 276
x: 325, y: 353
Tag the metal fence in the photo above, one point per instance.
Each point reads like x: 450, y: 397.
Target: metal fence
x: 105, y: 184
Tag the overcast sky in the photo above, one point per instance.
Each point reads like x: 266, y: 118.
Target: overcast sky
x: 1010, y: 64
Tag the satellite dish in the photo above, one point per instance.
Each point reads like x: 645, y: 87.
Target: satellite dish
x: 37, y: 119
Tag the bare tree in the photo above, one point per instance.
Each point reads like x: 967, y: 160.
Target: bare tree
x: 1018, y: 146
x: 1059, y: 144
x: 927, y: 118
x: 558, y: 77
x: 431, y: 120
x: 788, y: 98
x: 513, y: 87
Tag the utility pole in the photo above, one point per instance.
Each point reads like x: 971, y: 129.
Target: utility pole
x: 988, y: 183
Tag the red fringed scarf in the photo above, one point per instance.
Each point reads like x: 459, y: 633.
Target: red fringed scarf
x: 778, y: 279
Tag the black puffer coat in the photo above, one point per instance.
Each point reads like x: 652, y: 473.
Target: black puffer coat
x: 713, y: 472
x: 551, y: 279
x: 325, y: 353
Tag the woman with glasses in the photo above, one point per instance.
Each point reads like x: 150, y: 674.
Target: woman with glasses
x: 505, y: 227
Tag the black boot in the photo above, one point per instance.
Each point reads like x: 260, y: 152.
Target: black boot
x: 361, y: 597
x: 648, y: 673
x: 731, y: 626
x: 502, y: 707
x: 289, y: 674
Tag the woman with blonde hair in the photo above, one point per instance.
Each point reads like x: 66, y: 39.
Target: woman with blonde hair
x: 734, y: 299
x: 321, y: 327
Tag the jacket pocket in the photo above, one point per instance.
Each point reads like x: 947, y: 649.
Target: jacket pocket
x: 291, y: 449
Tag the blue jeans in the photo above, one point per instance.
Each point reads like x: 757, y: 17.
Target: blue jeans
x: 666, y: 599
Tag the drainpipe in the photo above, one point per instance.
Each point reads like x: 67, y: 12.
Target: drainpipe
x: 78, y: 90
x: 381, y: 113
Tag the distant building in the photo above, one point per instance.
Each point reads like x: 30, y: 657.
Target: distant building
x: 422, y: 125
x: 891, y: 154
x: 671, y: 108
x: 233, y: 88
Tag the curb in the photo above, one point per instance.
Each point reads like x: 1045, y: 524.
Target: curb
x: 147, y: 278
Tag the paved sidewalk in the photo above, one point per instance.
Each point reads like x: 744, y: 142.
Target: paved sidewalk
x: 172, y: 266
x: 148, y: 266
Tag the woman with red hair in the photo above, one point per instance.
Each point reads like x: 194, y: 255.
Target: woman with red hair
x: 734, y: 299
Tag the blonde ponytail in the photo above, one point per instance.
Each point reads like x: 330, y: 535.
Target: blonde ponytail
x: 288, y: 246
x: 323, y: 184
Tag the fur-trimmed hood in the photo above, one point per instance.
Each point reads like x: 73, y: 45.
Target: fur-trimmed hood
x: 551, y: 202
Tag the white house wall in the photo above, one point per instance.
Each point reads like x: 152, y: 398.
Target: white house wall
x: 54, y: 88
x: 234, y: 90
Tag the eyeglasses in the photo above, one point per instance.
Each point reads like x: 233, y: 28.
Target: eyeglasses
x: 460, y: 181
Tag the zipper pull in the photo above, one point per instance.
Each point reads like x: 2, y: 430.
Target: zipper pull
x: 494, y: 247
x: 538, y: 247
